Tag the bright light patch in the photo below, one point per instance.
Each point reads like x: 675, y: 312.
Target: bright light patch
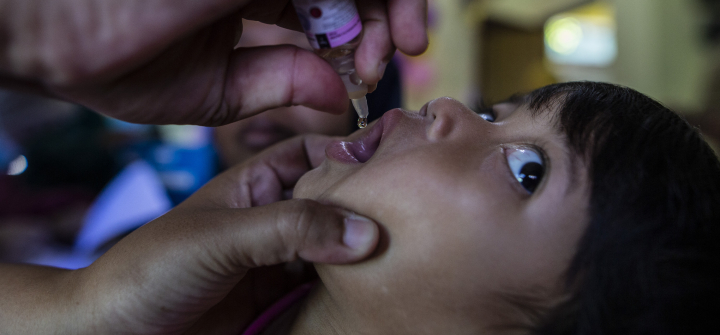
x: 17, y: 166
x: 583, y: 37
x: 563, y: 35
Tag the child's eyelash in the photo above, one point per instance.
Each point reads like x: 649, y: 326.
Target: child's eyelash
x: 485, y: 112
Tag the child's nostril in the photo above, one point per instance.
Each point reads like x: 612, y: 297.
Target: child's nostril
x: 423, y: 110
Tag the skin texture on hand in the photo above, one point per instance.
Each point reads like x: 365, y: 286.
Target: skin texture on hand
x: 187, y: 269
x: 165, y: 61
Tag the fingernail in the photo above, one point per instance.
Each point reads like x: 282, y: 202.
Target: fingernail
x: 381, y: 69
x: 359, y: 232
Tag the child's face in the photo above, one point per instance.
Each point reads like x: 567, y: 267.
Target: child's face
x: 457, y: 223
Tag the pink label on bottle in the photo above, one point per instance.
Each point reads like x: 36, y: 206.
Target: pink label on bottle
x: 328, y: 23
x: 345, y: 33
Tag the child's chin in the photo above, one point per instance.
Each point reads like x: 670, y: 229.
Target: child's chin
x: 308, y: 186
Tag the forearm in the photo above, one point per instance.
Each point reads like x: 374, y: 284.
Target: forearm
x: 43, y: 300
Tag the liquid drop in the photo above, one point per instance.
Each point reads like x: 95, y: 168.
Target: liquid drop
x: 362, y: 122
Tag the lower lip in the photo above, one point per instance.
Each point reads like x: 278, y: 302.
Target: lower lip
x: 356, y: 152
x: 340, y: 151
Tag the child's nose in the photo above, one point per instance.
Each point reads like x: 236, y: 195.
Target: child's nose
x: 443, y: 113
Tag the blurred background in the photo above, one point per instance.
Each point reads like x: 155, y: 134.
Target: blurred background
x: 72, y: 182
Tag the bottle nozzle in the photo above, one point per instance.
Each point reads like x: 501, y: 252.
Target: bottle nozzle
x: 361, y: 107
x: 357, y: 90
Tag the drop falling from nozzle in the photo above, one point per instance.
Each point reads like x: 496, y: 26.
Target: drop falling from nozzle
x: 361, y: 108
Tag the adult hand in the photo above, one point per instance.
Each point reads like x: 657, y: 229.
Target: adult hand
x: 166, y: 276
x: 168, y: 61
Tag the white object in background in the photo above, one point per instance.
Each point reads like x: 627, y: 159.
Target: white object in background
x: 185, y: 136
x: 133, y: 198
x: 583, y: 40
x: 17, y: 166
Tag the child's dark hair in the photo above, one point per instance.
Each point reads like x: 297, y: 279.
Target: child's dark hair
x: 649, y: 260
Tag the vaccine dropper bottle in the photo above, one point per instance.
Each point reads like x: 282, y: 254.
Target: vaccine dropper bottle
x: 334, y: 30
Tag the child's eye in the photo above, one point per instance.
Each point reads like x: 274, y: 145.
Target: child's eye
x: 486, y: 113
x: 527, y: 166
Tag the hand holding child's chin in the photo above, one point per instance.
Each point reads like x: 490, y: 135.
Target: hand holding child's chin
x: 207, y: 244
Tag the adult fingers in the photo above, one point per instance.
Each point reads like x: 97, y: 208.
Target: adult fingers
x: 263, y: 179
x: 277, y: 12
x: 408, y: 25
x: 387, y: 25
x: 294, y: 156
x: 263, y: 78
x: 168, y: 273
x: 298, y: 229
x: 273, y: 174
x: 315, y: 147
x: 376, y: 47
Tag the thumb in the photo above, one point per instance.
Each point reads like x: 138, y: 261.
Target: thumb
x: 302, y: 229
x: 263, y: 78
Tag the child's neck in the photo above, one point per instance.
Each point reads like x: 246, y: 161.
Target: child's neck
x: 319, y: 314
x: 324, y: 314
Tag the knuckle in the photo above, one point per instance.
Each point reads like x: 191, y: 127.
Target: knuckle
x: 63, y: 69
x: 299, y: 228
x: 219, y: 113
x: 304, y: 214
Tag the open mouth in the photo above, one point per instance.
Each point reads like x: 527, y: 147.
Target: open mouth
x: 362, y: 148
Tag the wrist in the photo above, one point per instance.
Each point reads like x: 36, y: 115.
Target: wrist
x: 42, y: 300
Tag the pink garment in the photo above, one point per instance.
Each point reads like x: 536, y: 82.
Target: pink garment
x: 282, y: 305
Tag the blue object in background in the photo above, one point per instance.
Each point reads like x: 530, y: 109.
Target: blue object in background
x: 185, y: 159
x: 9, y: 150
x: 134, y: 197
